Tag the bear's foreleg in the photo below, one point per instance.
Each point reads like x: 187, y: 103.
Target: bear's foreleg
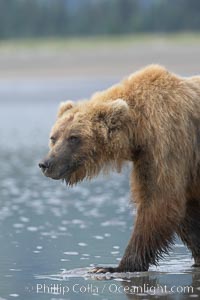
x: 153, y: 233
x: 152, y: 236
x: 189, y: 230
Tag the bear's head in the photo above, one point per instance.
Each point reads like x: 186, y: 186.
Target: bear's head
x: 88, y: 137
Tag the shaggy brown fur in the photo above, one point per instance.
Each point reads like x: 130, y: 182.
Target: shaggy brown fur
x: 152, y: 119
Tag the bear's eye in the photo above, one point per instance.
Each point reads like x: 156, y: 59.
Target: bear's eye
x: 73, y: 139
x: 53, y: 140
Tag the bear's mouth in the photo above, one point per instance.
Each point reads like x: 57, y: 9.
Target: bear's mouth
x: 61, y: 175
x: 65, y: 173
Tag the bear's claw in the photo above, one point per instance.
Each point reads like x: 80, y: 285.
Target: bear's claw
x: 102, y: 270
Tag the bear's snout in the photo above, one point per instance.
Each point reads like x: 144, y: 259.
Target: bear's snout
x: 51, y: 167
x: 44, y: 165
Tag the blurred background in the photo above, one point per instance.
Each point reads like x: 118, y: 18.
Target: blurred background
x: 51, y: 51
x: 97, y: 37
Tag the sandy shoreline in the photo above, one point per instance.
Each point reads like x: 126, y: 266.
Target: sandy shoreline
x: 109, y: 60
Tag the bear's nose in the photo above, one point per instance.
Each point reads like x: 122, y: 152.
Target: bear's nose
x: 44, y: 165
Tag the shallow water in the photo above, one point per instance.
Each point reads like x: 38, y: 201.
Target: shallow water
x: 51, y: 235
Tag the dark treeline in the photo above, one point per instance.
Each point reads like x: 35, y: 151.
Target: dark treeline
x: 37, y: 18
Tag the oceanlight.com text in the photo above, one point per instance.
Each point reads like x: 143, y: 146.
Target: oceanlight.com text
x: 112, y: 288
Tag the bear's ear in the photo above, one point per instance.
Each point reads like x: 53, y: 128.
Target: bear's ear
x: 114, y: 113
x: 64, y: 106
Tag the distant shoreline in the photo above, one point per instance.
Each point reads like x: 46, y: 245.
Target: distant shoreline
x: 114, y: 56
x: 58, y: 43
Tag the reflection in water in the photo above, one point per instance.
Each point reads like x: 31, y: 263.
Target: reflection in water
x: 52, y: 234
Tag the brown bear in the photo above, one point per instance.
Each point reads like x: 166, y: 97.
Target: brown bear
x: 152, y: 119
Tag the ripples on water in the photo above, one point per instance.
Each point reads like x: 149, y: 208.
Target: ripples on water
x: 54, y: 234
